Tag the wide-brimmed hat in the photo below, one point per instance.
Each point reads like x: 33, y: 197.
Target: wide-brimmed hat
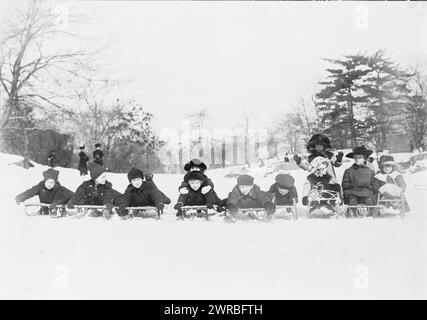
x: 195, y: 163
x: 361, y: 150
x: 82, y: 147
x: 193, y: 175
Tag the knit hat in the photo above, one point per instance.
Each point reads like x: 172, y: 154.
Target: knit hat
x: 195, y: 163
x: 362, y: 150
x: 51, y: 174
x: 135, y: 173
x: 285, y: 181
x: 194, y: 175
x: 95, y: 170
x: 386, y: 160
x: 245, y: 180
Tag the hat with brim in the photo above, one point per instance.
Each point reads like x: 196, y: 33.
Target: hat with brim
x: 97, y: 145
x: 359, y: 151
x: 387, y: 160
x: 195, y: 163
x: 319, y: 139
x: 193, y: 175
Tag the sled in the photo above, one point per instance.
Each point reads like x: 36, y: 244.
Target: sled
x: 283, y: 212
x: 324, y: 204
x: 250, y: 214
x: 91, y: 210
x: 391, y: 207
x: 190, y: 212
x: 57, y: 212
x: 363, y: 211
x: 144, y: 212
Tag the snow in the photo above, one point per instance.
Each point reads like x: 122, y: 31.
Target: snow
x: 44, y: 258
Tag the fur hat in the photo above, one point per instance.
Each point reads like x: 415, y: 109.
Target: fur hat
x: 245, y: 180
x: 285, y: 181
x: 362, y: 150
x: 386, y: 160
x: 97, y: 145
x: 135, y: 173
x: 51, y: 174
x: 195, y: 163
x: 95, y: 170
x: 194, y: 175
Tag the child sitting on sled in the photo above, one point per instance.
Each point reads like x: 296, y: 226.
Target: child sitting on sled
x: 283, y: 191
x: 245, y: 195
x: 195, y: 195
x: 358, y: 180
x: 49, y: 191
x: 389, y: 183
x: 140, y: 193
x: 320, y: 188
x: 96, y: 192
x: 319, y: 145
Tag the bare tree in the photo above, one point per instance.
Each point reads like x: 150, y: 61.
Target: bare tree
x: 30, y: 70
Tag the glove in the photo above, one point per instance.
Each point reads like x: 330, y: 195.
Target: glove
x: 305, y: 201
x: 297, y: 159
x: 148, y: 176
x: 160, y: 207
x: 209, y: 205
x: 178, y: 206
x: 232, y: 208
x: 340, y: 155
x: 183, y: 190
x: 205, y: 189
x: 270, y: 208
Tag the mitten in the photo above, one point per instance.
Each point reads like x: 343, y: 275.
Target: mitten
x: 206, y: 189
x: 297, y: 159
x: 183, y: 190
x: 340, y: 155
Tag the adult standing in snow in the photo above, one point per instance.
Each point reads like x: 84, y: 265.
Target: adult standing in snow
x: 319, y: 145
x: 287, y: 157
x: 51, y: 159
x: 98, y: 155
x: 83, y: 161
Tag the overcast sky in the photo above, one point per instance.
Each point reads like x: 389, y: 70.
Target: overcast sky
x: 225, y: 56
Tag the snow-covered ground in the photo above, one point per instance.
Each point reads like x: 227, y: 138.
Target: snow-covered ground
x: 169, y: 259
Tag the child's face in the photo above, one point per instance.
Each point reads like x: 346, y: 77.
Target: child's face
x: 245, y: 189
x: 283, y: 191
x: 319, y: 147
x: 195, y: 184
x: 359, y: 159
x: 388, y: 169
x: 49, y: 184
x: 101, y: 179
x: 136, y: 183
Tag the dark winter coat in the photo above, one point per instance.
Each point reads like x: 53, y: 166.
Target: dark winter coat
x: 98, y: 157
x: 90, y: 194
x: 395, y: 178
x: 254, y: 199
x: 83, y: 162
x: 358, y: 181
x: 197, y: 198
x: 146, y: 195
x: 284, y: 200
x: 205, y: 182
x: 58, y: 194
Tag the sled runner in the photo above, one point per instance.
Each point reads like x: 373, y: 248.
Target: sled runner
x: 92, y: 211
x: 391, y: 207
x: 34, y: 209
x: 323, y: 204
x: 362, y: 210
x: 250, y: 214
x: 144, y: 212
x: 286, y: 211
x: 196, y: 211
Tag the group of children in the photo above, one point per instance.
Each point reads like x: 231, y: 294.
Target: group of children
x: 360, y: 185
